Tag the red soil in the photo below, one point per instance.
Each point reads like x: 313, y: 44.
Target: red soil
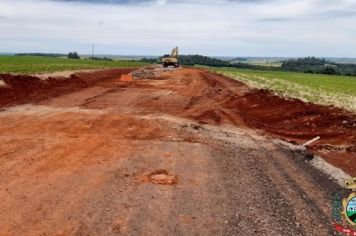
x: 212, y: 99
x: 292, y: 120
x: 297, y: 122
x: 126, y: 77
x: 116, y: 157
x: 26, y: 89
x: 215, y: 99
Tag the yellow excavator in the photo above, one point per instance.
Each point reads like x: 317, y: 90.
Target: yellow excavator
x: 171, y: 60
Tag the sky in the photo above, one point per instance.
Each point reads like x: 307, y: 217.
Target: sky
x: 266, y: 28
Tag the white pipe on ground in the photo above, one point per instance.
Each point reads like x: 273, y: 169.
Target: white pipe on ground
x: 311, y: 141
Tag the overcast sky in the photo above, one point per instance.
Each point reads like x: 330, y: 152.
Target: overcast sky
x: 209, y: 27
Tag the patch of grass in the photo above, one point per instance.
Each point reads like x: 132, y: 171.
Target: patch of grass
x: 37, y: 64
x: 334, y: 90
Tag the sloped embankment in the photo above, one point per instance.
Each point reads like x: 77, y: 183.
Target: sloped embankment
x: 19, y: 89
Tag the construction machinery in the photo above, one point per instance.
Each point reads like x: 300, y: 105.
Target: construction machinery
x: 171, y: 60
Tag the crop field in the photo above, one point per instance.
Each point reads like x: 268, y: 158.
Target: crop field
x: 334, y: 90
x: 265, y: 62
x: 36, y: 64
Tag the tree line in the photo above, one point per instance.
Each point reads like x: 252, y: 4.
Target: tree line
x: 41, y: 54
x: 318, y: 66
x: 192, y: 60
x: 306, y: 65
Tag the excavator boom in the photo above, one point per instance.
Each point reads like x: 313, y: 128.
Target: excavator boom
x: 174, y: 52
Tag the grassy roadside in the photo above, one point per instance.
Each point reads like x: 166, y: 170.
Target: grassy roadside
x: 36, y: 64
x: 334, y: 90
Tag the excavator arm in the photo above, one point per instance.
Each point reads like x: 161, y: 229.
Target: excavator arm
x: 174, y: 52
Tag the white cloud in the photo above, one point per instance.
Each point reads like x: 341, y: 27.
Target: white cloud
x: 257, y: 28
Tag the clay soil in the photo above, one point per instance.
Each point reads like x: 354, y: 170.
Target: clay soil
x: 186, y: 153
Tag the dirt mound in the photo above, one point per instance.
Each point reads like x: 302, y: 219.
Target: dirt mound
x: 293, y: 118
x: 143, y: 73
x: 25, y: 89
x: 19, y: 89
x: 231, y: 102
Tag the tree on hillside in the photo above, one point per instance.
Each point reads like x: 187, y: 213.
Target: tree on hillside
x: 191, y: 60
x: 73, y: 55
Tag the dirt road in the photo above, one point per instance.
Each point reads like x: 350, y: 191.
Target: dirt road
x: 154, y: 157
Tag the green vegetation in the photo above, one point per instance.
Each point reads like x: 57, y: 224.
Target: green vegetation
x: 271, y: 62
x: 265, y: 63
x: 191, y: 60
x: 42, y: 54
x: 150, y: 60
x: 36, y: 64
x: 309, y: 65
x: 101, y: 58
x: 73, y: 55
x: 318, y: 66
x: 320, y: 89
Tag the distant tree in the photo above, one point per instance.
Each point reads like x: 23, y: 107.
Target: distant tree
x: 303, y: 64
x: 318, y: 66
x: 239, y: 59
x: 150, y: 60
x: 329, y: 71
x: 73, y: 55
x: 41, y: 54
x: 191, y: 60
x: 101, y: 58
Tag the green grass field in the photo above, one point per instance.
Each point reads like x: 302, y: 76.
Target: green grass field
x: 334, y: 90
x: 35, y: 64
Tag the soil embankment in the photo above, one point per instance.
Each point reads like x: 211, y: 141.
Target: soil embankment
x: 20, y: 89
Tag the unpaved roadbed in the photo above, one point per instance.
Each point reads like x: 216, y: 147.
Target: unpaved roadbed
x: 169, y: 156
